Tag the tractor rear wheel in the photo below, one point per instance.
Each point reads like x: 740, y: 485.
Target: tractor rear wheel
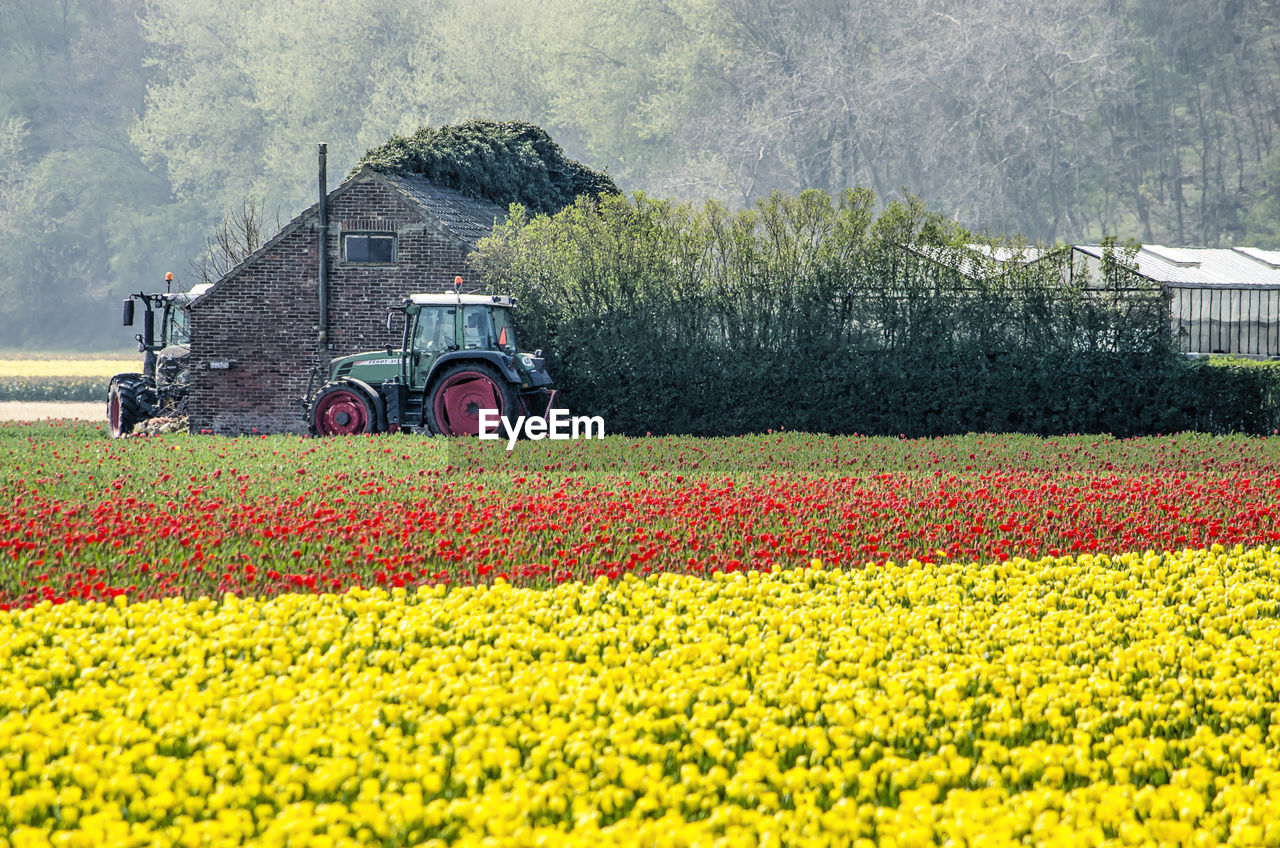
x: 122, y: 407
x: 342, y: 410
x: 460, y: 392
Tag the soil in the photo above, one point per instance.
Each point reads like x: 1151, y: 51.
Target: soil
x: 37, y: 411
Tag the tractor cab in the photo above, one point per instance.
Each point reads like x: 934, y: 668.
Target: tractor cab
x: 458, y: 355
x: 160, y: 389
x: 166, y: 336
x: 436, y: 325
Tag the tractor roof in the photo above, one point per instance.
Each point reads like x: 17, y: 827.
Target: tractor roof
x: 453, y: 298
x: 188, y: 296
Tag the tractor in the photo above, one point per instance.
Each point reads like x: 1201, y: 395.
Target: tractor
x: 458, y: 356
x: 161, y: 388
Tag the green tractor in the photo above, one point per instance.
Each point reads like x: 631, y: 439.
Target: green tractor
x: 165, y: 343
x: 458, y: 357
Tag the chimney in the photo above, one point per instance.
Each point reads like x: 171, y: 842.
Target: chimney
x: 323, y: 271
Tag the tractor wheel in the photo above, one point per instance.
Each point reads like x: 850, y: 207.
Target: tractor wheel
x: 122, y: 407
x: 460, y: 392
x: 342, y: 410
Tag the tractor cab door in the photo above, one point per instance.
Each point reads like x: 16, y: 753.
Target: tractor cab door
x: 434, y: 333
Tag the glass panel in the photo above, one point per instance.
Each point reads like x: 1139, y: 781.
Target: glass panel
x: 382, y: 249
x: 369, y: 248
x: 357, y: 248
x: 502, y: 324
x: 178, y: 332
x: 435, y: 329
x: 477, y: 327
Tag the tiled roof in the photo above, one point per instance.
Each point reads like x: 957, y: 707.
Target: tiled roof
x: 467, y: 218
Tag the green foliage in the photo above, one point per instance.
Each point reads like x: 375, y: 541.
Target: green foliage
x: 84, y: 220
x: 1231, y: 393
x: 129, y: 128
x: 812, y: 313
x: 505, y: 162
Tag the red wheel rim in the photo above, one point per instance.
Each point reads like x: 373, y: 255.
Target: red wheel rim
x: 341, y: 413
x: 459, y: 400
x: 113, y: 413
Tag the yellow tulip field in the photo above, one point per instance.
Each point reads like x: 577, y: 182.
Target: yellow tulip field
x: 1088, y: 701
x: 48, y: 377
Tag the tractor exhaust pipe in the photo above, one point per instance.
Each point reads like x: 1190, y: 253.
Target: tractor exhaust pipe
x: 323, y: 269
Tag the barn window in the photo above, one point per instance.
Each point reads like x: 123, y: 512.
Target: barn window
x: 369, y: 248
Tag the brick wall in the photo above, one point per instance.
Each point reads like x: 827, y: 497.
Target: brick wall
x: 264, y: 320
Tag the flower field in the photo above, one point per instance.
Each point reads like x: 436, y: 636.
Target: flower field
x: 785, y: 639
x: 103, y: 366
x: 50, y: 377
x: 85, y: 518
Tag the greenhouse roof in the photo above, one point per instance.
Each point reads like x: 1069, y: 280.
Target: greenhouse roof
x: 1225, y: 267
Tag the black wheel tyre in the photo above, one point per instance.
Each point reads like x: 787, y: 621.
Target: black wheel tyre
x: 460, y: 391
x: 122, y: 407
x: 342, y: 410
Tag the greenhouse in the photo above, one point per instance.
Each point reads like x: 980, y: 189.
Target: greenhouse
x: 1222, y: 300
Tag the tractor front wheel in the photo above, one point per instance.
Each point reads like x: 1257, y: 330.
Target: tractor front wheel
x: 457, y: 396
x: 122, y: 407
x: 342, y: 410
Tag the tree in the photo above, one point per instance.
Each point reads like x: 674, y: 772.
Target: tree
x: 89, y: 215
x: 131, y: 125
x: 234, y: 240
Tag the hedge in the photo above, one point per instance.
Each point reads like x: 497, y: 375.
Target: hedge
x: 813, y: 313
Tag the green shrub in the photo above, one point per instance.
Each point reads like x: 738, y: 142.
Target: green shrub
x: 813, y: 313
x: 1232, y: 394
x: 505, y: 162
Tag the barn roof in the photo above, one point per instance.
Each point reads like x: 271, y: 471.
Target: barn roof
x: 467, y: 218
x: 1195, y: 267
x: 1177, y: 267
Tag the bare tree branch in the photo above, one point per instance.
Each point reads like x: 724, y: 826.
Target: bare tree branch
x: 234, y: 240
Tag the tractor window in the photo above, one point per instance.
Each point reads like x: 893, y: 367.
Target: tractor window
x: 177, y: 333
x: 369, y: 248
x: 477, y: 327
x: 505, y: 333
x: 435, y: 329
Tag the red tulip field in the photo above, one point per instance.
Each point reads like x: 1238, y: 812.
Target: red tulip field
x: 83, y: 518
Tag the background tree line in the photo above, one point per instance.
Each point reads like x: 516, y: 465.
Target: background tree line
x: 130, y: 128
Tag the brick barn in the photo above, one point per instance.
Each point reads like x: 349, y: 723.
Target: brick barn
x: 257, y: 333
